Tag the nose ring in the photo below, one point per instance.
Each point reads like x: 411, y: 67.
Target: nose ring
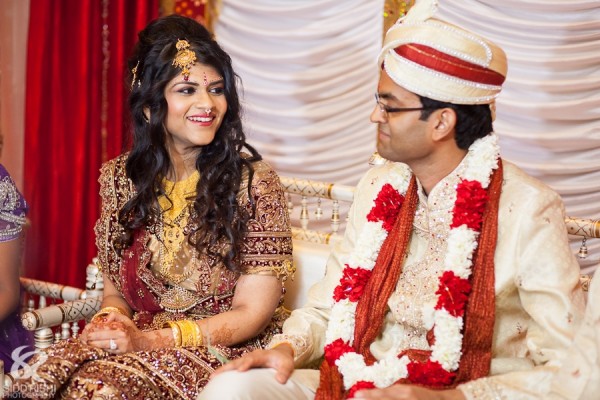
x: 208, y: 110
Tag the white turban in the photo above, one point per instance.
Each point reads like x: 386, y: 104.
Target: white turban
x: 441, y: 61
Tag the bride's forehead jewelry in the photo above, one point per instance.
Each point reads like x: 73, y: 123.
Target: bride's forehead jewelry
x: 184, y: 58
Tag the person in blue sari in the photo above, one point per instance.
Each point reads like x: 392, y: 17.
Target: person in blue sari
x: 13, y: 210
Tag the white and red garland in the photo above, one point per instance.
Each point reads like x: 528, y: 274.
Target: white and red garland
x: 446, y: 316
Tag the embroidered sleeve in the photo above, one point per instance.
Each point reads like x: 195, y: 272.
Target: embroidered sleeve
x: 12, y: 208
x: 481, y: 389
x: 300, y: 344
x: 268, y: 246
x: 115, y: 190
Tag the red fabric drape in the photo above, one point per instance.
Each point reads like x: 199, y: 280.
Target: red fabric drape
x: 70, y: 61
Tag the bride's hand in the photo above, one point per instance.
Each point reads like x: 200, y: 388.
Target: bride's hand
x: 114, y: 333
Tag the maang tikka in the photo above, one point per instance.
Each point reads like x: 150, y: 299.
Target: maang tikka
x: 184, y: 58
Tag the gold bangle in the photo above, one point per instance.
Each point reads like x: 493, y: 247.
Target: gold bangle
x: 107, y: 310
x: 199, y: 337
x: 182, y: 331
x: 190, y: 333
x: 176, y: 331
x: 186, y: 338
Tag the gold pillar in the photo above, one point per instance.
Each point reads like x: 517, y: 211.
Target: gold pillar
x: 213, y: 8
x: 204, y: 11
x: 394, y: 9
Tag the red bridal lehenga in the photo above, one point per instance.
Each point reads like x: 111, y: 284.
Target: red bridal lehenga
x: 73, y: 370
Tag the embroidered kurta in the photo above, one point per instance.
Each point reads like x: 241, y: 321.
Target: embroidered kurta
x: 538, y: 300
x: 79, y: 371
x: 579, y: 376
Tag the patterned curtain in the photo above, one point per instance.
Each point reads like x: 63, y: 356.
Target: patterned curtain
x: 308, y: 71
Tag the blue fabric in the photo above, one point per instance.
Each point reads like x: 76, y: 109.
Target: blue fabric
x: 13, y: 210
x: 12, y: 336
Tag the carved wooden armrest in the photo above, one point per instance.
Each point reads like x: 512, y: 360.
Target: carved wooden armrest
x: 69, y: 311
x: 52, y: 290
x: 585, y: 280
x: 311, y: 189
x: 588, y: 228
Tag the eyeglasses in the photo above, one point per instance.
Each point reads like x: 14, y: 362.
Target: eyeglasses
x: 385, y: 110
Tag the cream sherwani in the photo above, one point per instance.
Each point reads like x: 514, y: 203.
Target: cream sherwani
x: 579, y: 377
x: 538, y: 301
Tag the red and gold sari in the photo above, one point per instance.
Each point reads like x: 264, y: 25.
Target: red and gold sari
x: 74, y: 370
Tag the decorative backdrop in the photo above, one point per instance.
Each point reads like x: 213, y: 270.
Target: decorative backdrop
x: 548, y: 115
x: 309, y: 76
x: 309, y: 73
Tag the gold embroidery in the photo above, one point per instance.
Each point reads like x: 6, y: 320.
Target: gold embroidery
x: 282, y: 271
x: 177, y: 299
x: 268, y: 246
x: 175, y: 206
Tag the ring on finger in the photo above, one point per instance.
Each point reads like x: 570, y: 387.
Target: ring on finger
x: 112, y: 344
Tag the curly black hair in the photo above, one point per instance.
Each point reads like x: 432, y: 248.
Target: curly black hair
x: 217, y: 221
x: 473, y: 121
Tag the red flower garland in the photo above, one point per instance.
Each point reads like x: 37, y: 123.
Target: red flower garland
x: 429, y: 373
x: 387, y: 206
x: 452, y: 290
x: 453, y: 293
x: 336, y: 349
x: 471, y: 199
x: 352, y: 284
x: 360, y: 385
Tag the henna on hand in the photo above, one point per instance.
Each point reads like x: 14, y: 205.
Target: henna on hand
x: 144, y: 341
x: 222, y: 335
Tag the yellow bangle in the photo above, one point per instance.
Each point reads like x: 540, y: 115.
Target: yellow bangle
x: 191, y: 335
x: 107, y: 310
x: 187, y: 333
x: 199, y: 337
x: 176, y: 331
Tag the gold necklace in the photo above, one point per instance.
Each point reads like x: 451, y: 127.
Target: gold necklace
x: 175, y: 214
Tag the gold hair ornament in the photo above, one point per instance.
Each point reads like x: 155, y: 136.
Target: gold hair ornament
x: 134, y: 71
x: 184, y: 58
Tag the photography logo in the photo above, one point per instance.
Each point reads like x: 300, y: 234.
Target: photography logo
x: 21, y: 369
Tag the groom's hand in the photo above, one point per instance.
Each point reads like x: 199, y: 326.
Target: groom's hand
x: 280, y: 358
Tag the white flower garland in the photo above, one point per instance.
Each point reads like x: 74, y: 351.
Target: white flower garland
x: 480, y: 163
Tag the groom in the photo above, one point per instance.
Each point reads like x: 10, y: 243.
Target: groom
x: 455, y: 279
